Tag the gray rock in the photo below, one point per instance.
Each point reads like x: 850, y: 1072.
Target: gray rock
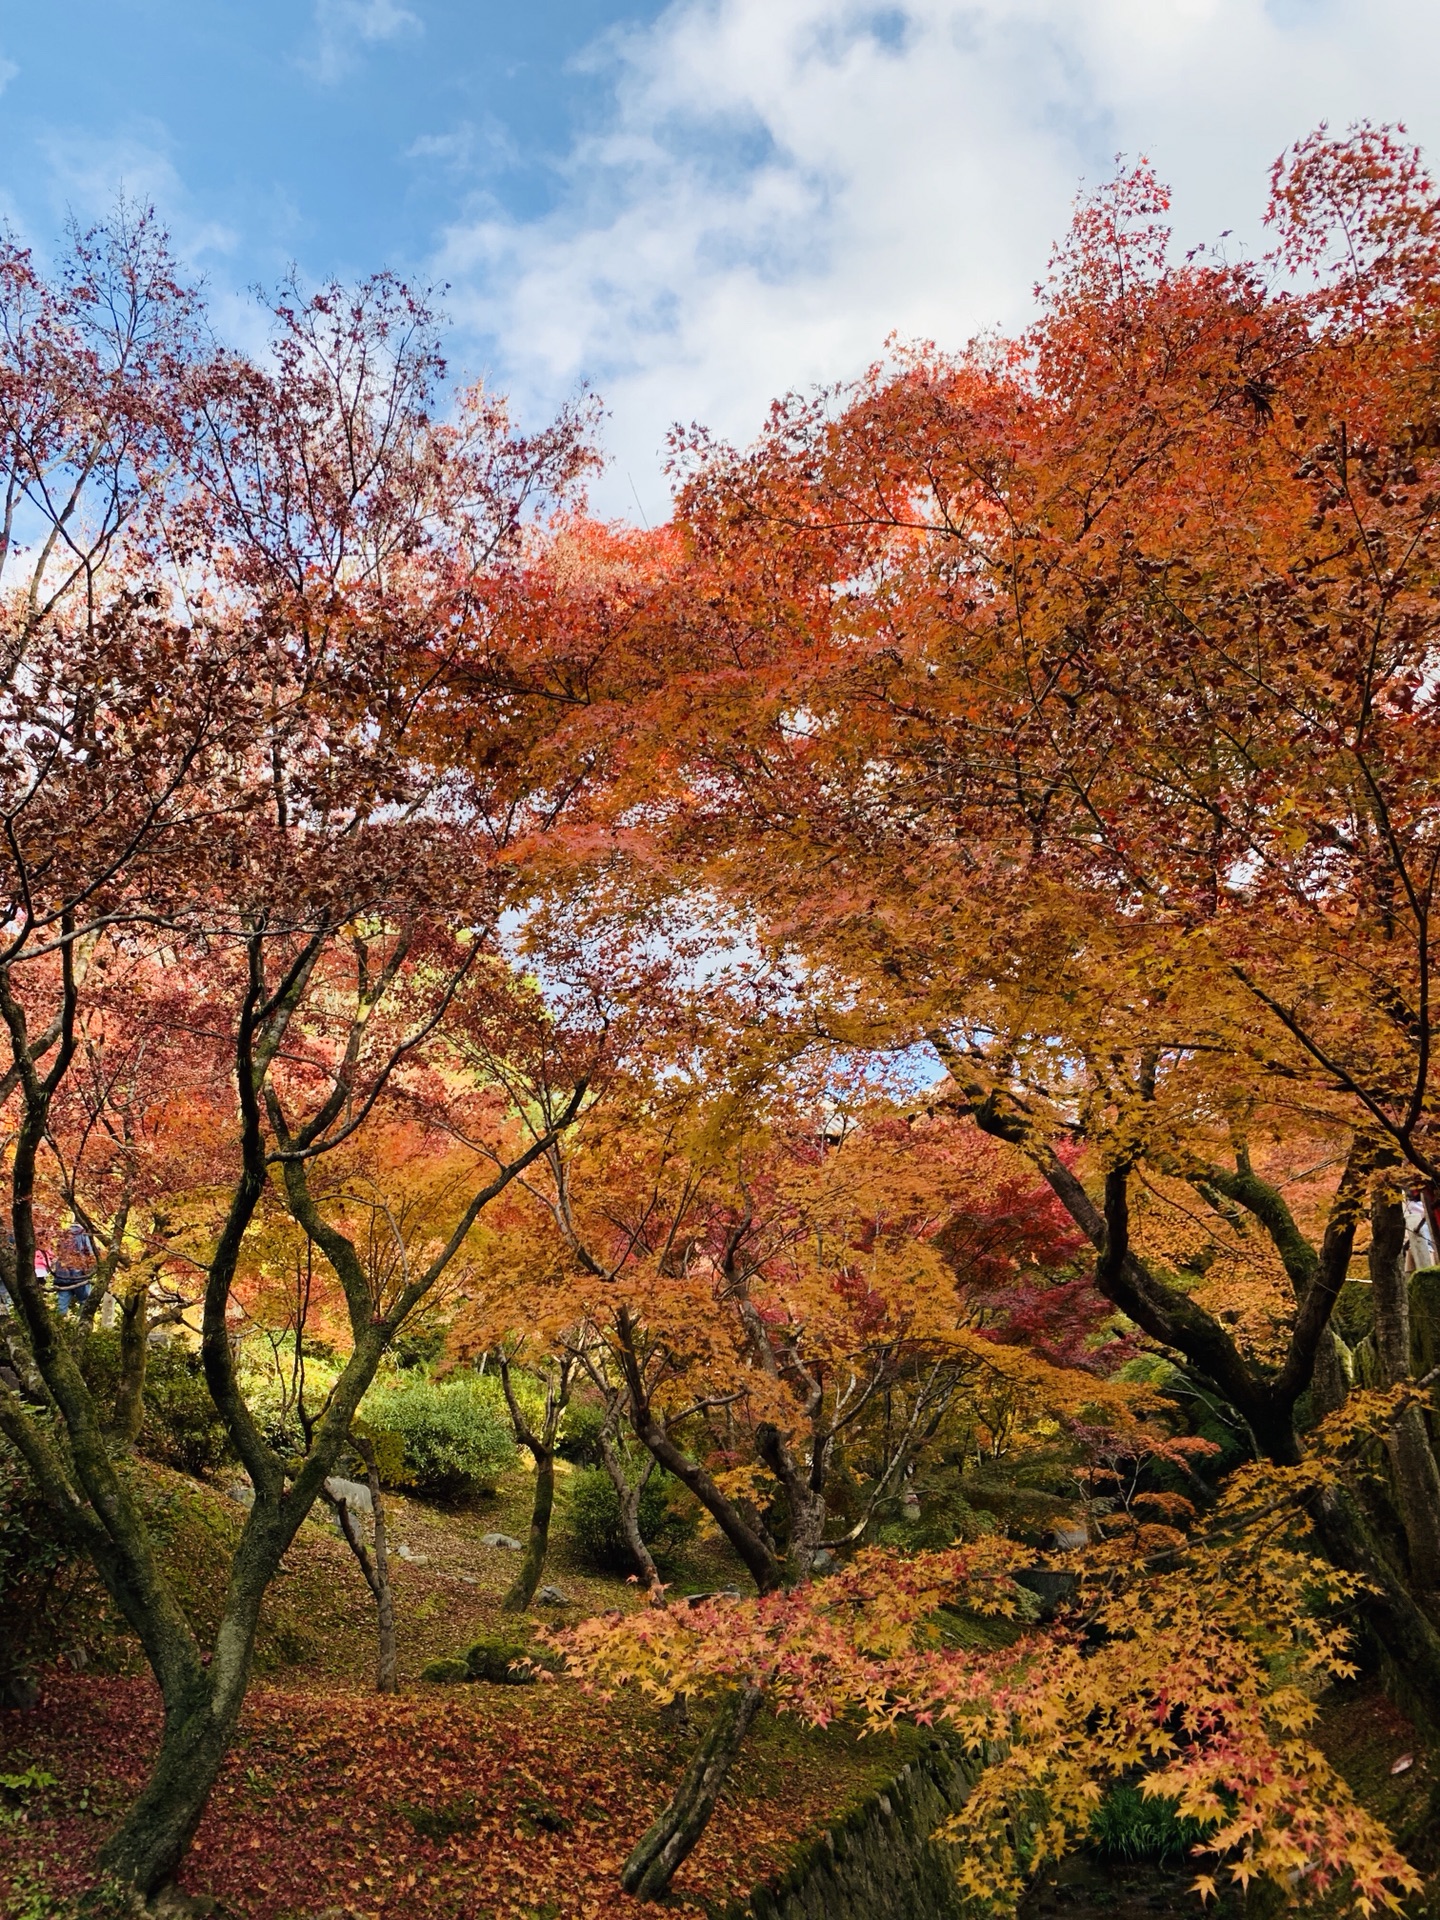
x: 354, y: 1493
x: 415, y: 1559
x: 823, y: 1561
x: 241, y: 1492
x: 554, y: 1597
x: 1063, y: 1539
x: 506, y: 1541
x: 171, y: 1904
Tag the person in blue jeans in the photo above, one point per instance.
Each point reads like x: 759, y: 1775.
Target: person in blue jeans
x: 74, y: 1268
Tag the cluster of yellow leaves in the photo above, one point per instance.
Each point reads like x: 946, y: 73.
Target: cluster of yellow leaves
x: 1193, y: 1667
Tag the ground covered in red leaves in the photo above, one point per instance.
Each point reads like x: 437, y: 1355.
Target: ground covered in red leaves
x: 442, y: 1801
x: 459, y: 1801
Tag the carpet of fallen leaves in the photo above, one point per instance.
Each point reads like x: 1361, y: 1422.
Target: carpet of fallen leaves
x: 442, y: 1801
x: 457, y: 1801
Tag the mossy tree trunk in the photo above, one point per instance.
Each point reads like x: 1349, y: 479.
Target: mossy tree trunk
x: 651, y: 1867
x: 129, y: 1414
x: 540, y: 1444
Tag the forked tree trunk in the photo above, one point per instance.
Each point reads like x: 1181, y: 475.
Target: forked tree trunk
x: 651, y: 1867
x: 526, y: 1582
x: 202, y: 1708
x: 629, y: 1494
x: 541, y: 1448
x: 147, y: 1847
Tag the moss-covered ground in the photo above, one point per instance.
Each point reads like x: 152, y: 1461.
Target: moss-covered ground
x: 445, y: 1801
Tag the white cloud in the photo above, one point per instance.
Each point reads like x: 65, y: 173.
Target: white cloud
x: 344, y: 28
x: 779, y: 184
x: 468, y: 148
x: 86, y: 174
x: 8, y: 71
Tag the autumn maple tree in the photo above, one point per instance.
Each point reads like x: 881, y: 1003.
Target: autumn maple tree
x: 1067, y: 706
x: 232, y: 589
x: 983, y: 852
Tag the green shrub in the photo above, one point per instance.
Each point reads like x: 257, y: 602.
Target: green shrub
x: 41, y: 1577
x: 445, y: 1672
x: 580, y: 1433
x: 181, y: 1427
x: 594, y: 1516
x: 453, y: 1435
x: 500, y: 1661
x: 1128, y: 1826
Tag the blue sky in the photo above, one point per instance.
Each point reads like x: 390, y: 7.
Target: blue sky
x: 692, y: 206
x: 337, y: 134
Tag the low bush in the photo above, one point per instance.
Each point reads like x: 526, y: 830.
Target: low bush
x: 1128, y: 1826
x: 47, y: 1591
x: 181, y: 1428
x: 594, y: 1519
x: 452, y: 1436
x: 500, y: 1660
x: 580, y: 1429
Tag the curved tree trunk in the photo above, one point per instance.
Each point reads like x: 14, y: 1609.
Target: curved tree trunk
x: 761, y: 1564
x: 527, y: 1580
x: 650, y: 1868
x: 387, y: 1677
x: 147, y: 1847
x: 628, y: 1493
x: 376, y: 1571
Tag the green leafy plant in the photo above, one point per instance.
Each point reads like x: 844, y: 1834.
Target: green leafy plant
x: 580, y: 1431
x: 1129, y: 1826
x: 41, y: 1578
x: 181, y: 1427
x: 451, y: 1436
x: 22, y: 1785
x: 594, y: 1519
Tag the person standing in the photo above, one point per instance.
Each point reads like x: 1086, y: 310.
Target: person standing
x: 74, y: 1268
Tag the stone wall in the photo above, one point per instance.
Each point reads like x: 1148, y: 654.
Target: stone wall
x: 879, y: 1862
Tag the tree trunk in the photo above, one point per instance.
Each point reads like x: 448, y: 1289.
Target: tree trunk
x: 762, y: 1565
x: 147, y: 1847
x: 201, y: 1712
x: 129, y: 1413
x: 376, y: 1571
x: 652, y: 1865
x: 522, y: 1591
x: 387, y: 1679
x: 806, y: 1502
x: 1404, y: 1631
x: 1412, y: 1461
x: 628, y: 1494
